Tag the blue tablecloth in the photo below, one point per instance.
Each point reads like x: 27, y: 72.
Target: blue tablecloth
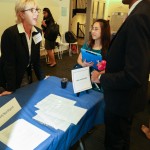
x: 28, y: 96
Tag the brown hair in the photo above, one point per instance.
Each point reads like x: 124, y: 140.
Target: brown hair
x: 105, y: 36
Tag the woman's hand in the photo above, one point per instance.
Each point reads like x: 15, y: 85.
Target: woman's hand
x: 5, y: 93
x: 95, y: 76
x: 101, y: 65
x: 87, y: 64
x: 43, y: 23
x: 47, y: 76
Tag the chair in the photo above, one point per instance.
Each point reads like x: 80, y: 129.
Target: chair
x: 61, y: 46
x: 70, y: 35
x: 71, y: 50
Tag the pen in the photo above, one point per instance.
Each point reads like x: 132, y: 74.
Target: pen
x: 97, y: 86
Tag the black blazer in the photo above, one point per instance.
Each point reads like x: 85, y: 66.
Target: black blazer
x: 15, y: 58
x: 128, y: 63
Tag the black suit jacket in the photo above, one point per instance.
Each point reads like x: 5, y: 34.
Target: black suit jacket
x: 15, y: 58
x: 128, y: 63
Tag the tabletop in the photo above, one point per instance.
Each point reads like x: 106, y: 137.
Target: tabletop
x: 30, y: 95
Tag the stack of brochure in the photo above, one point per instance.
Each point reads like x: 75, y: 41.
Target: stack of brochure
x: 22, y: 135
x: 58, y: 112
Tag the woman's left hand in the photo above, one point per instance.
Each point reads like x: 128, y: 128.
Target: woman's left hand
x: 94, y: 76
x: 87, y: 64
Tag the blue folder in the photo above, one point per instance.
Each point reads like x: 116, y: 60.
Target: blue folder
x: 90, y: 56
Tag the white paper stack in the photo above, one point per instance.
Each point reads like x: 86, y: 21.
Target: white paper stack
x: 22, y: 135
x: 58, y: 112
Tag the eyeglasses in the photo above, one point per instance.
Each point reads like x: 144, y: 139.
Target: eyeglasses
x: 94, y: 29
x: 33, y: 10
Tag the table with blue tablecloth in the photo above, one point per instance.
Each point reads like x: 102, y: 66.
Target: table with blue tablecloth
x: 30, y: 95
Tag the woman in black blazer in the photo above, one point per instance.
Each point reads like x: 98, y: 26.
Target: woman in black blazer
x: 20, y: 49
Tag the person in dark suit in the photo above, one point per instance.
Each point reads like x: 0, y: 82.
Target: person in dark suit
x: 126, y: 76
x: 20, y: 48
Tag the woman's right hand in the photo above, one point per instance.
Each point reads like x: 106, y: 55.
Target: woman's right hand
x: 43, y: 23
x: 87, y: 64
x: 5, y: 93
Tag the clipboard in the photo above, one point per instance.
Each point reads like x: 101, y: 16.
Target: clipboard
x: 90, y: 56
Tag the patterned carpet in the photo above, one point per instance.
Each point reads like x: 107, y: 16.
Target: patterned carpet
x: 95, y: 140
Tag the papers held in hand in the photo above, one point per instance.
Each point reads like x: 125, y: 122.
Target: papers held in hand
x: 90, y: 56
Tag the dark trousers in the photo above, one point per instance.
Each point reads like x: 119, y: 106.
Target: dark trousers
x: 27, y: 78
x: 117, y: 131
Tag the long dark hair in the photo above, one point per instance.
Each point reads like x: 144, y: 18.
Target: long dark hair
x: 49, y: 17
x: 105, y: 36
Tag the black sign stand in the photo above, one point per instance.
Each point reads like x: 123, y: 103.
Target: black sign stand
x: 80, y: 92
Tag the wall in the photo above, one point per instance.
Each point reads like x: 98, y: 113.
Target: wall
x: 116, y: 12
x: 59, y: 9
x: 7, y: 14
x: 81, y: 18
x: 111, y: 6
x: 114, y: 6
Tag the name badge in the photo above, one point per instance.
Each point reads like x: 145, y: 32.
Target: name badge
x: 37, y: 38
x: 80, y: 77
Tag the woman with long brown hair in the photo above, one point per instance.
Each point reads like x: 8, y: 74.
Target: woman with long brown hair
x: 49, y: 44
x: 98, y: 42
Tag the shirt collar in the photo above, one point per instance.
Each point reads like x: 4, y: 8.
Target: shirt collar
x: 21, y: 28
x: 133, y: 6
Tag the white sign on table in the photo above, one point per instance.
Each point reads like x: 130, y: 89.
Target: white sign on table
x: 9, y: 110
x: 81, y: 79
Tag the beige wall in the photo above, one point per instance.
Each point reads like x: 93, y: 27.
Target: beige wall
x: 8, y: 13
x: 111, y: 13
x: 111, y: 6
x: 114, y: 6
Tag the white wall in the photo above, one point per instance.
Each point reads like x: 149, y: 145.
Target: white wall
x: 7, y: 11
x: 77, y: 18
x: 111, y: 12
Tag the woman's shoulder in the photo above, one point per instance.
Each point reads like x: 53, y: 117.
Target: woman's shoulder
x: 85, y: 46
x: 38, y: 29
x: 10, y: 30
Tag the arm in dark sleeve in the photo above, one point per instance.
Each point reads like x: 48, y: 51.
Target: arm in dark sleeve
x: 9, y: 59
x: 137, y: 57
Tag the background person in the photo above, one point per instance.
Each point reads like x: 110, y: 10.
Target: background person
x: 126, y: 76
x: 20, y: 51
x: 49, y: 44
